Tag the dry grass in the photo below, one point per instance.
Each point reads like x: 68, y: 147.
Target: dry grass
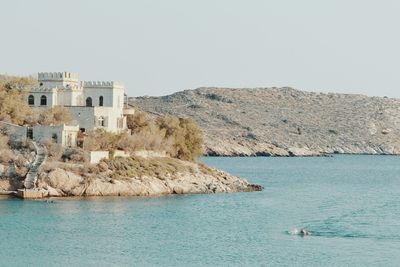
x: 139, y: 167
x: 54, y: 150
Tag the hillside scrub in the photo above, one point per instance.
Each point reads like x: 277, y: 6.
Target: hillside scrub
x: 284, y: 121
x: 55, y: 115
x: 179, y: 138
x: 13, y: 107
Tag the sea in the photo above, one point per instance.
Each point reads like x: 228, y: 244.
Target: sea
x: 349, y: 203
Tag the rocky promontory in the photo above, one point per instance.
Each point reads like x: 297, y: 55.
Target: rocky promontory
x: 284, y: 121
x: 162, y: 176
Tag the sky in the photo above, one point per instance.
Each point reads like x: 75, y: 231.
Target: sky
x: 157, y: 47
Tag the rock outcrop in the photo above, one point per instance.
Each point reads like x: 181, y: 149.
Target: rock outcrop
x: 284, y: 121
x: 200, y: 179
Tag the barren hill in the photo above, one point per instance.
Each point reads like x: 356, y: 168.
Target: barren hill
x: 285, y: 121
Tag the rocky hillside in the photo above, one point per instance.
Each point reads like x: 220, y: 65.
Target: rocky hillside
x: 285, y: 121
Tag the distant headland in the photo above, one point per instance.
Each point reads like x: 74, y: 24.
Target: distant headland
x: 284, y: 121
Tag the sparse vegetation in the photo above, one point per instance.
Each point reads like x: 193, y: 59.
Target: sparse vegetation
x: 179, y: 138
x: 55, y: 115
x: 140, y: 167
x: 13, y: 107
x: 284, y: 119
x: 54, y: 150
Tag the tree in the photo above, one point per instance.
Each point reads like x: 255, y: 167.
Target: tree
x: 13, y: 107
x: 55, y: 115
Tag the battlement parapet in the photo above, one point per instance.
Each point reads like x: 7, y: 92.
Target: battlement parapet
x: 43, y: 89
x: 100, y: 84
x: 57, y: 76
x: 54, y: 89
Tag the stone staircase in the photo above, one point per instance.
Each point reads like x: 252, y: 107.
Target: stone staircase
x: 41, y: 156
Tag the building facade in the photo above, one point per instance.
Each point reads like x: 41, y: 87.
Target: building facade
x: 92, y: 104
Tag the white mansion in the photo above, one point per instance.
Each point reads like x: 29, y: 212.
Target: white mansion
x: 92, y: 104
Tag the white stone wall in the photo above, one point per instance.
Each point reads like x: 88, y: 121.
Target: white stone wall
x: 65, y: 135
x: 96, y: 156
x: 83, y: 116
x: 13, y: 130
x: 69, y: 97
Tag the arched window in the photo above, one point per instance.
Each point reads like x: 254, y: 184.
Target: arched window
x: 31, y: 100
x: 101, y: 101
x: 43, y: 100
x: 89, y: 102
x: 101, y: 121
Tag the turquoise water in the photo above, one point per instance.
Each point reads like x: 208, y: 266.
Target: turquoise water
x: 350, y: 203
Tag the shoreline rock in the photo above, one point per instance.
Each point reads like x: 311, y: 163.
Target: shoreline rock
x: 201, y: 180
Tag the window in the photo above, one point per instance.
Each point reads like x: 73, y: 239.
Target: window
x: 101, y: 101
x: 31, y: 100
x: 54, y: 137
x: 89, y: 102
x: 101, y: 121
x: 43, y: 100
x: 29, y: 133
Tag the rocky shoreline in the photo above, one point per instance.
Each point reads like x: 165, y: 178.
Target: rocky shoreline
x: 62, y: 183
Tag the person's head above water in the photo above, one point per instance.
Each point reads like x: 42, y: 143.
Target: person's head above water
x: 304, y: 232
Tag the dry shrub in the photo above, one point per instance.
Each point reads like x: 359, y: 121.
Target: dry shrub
x: 13, y: 105
x: 55, y: 115
x: 21, y: 171
x: 88, y: 169
x: 18, y: 144
x: 4, y: 142
x: 74, y: 154
x: 54, y: 150
x: 180, y: 138
x: 21, y: 161
x: 184, y: 136
x: 6, y: 155
x: 137, y: 121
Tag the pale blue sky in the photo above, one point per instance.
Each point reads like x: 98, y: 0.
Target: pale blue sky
x: 157, y: 47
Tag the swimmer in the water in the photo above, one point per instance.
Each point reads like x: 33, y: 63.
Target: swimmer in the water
x: 304, y: 232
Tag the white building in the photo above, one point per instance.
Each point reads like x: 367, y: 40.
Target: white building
x: 92, y: 104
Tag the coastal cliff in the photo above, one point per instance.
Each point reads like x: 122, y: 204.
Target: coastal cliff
x: 284, y: 121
